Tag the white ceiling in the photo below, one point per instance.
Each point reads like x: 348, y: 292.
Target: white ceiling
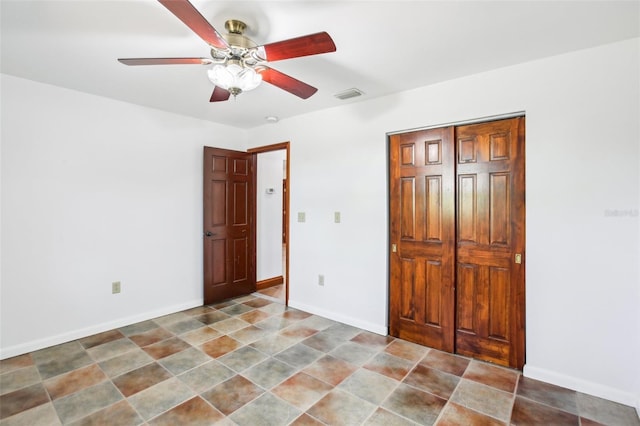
x: 382, y: 46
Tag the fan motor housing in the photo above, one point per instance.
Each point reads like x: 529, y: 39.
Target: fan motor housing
x: 235, y: 37
x: 238, y: 40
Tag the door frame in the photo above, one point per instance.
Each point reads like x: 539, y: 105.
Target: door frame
x: 484, y: 119
x: 260, y: 150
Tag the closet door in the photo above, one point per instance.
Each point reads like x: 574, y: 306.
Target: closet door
x: 490, y: 241
x: 422, y: 214
x: 457, y: 239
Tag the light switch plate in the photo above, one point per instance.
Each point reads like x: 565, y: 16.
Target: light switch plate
x: 336, y: 217
x: 301, y: 217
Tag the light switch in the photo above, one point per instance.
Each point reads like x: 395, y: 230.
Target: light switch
x: 301, y: 217
x: 336, y: 217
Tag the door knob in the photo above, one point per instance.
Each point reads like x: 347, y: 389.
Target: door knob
x: 209, y: 234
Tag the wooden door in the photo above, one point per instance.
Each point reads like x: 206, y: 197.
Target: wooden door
x: 229, y: 243
x: 457, y: 239
x: 422, y: 215
x: 490, y: 241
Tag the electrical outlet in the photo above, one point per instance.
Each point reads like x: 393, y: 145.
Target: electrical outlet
x: 321, y: 280
x: 115, y: 287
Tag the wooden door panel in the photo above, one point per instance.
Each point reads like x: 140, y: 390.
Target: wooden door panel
x: 240, y: 259
x: 240, y: 203
x: 422, y: 228
x: 218, y: 165
x: 408, y: 289
x: 499, y: 146
x: 499, y: 209
x: 218, y: 250
x: 466, y: 287
x: 490, y: 286
x: 482, y: 306
x: 229, y: 268
x: 421, y: 287
x: 433, y: 152
x: 218, y: 216
x: 408, y: 208
x: 241, y: 166
x: 499, y: 292
x: 433, y: 203
x: 407, y: 154
x: 433, y: 312
x: 467, y: 150
x: 467, y: 209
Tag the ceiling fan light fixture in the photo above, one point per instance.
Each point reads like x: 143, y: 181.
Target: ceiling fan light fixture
x: 234, y: 78
x: 239, y: 62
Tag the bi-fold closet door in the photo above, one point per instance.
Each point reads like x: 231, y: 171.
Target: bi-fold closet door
x: 457, y: 239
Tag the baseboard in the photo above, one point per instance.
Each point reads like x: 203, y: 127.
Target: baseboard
x: 269, y: 282
x: 355, y: 322
x: 35, y: 345
x: 584, y: 386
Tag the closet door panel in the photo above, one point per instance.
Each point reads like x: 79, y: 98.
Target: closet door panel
x: 490, y: 187
x: 422, y: 213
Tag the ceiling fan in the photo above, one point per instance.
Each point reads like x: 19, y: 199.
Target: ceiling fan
x: 239, y: 64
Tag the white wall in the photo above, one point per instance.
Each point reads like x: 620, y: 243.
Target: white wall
x: 95, y: 191
x: 582, y: 154
x: 269, y: 214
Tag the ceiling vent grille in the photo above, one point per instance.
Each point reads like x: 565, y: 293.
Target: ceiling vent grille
x: 349, y: 93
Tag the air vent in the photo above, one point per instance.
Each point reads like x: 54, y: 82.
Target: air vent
x: 349, y: 93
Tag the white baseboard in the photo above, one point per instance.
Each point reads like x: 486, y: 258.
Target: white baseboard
x: 355, y: 322
x: 581, y: 385
x: 35, y: 345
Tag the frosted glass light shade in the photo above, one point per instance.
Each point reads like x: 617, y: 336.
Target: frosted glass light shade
x: 234, y: 77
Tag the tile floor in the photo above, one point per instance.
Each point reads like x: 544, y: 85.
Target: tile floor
x: 252, y: 361
x: 276, y: 292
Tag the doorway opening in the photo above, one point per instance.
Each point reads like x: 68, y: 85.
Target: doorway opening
x: 271, y: 221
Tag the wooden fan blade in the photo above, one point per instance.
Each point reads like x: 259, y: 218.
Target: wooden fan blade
x: 219, y: 94
x: 285, y: 82
x: 164, y: 61
x: 312, y: 44
x: 194, y: 20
